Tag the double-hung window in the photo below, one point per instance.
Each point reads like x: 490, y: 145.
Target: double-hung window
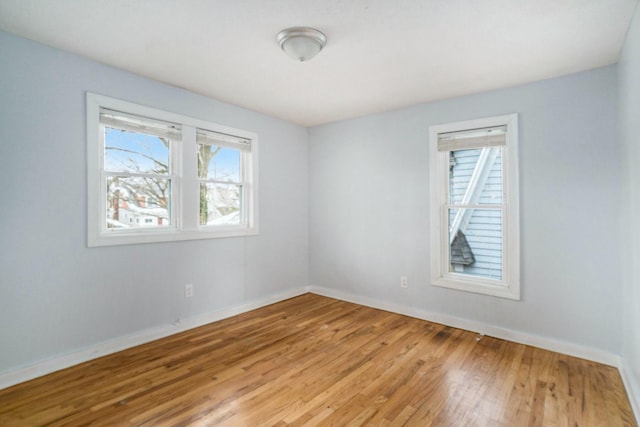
x: 158, y: 176
x: 138, y: 174
x: 222, y: 177
x: 474, y: 206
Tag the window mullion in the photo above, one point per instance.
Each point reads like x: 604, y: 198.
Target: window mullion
x: 190, y: 198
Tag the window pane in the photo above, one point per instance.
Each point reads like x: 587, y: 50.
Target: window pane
x: 126, y: 151
x: 134, y: 202
x: 475, y: 237
x: 218, y: 163
x: 475, y: 176
x: 220, y: 204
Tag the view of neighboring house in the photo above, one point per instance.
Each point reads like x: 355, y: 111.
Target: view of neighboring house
x: 476, y: 234
x: 128, y: 211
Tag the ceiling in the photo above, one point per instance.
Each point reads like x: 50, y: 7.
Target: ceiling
x: 380, y: 55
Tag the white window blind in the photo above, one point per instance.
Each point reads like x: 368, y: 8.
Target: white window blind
x: 222, y: 140
x: 119, y: 120
x: 474, y: 138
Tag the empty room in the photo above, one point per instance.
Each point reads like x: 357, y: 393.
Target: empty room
x: 297, y: 212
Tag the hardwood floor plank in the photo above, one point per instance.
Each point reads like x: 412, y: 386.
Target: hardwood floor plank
x: 317, y: 361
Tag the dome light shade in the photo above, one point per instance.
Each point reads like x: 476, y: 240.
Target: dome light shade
x: 301, y: 43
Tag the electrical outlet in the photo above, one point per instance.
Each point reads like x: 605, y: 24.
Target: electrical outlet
x: 404, y: 282
x: 188, y: 290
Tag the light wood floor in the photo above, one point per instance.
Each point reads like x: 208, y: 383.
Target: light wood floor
x: 313, y: 360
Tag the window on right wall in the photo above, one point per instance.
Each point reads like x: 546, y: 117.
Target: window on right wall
x: 474, y: 206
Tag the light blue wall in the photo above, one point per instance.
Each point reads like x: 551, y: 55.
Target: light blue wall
x: 56, y: 295
x: 369, y: 209
x: 630, y: 136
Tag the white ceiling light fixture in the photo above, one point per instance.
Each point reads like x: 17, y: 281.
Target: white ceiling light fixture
x: 301, y: 43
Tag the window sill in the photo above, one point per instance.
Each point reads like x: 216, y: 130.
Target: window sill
x: 157, y: 236
x: 478, y: 286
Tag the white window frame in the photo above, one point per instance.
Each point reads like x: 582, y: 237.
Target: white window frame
x: 509, y: 285
x: 185, y: 194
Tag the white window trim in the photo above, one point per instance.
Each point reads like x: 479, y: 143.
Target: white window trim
x: 509, y: 286
x: 185, y: 189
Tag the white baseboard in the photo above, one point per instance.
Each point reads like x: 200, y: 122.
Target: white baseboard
x: 558, y: 346
x: 632, y: 385
x: 48, y: 366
